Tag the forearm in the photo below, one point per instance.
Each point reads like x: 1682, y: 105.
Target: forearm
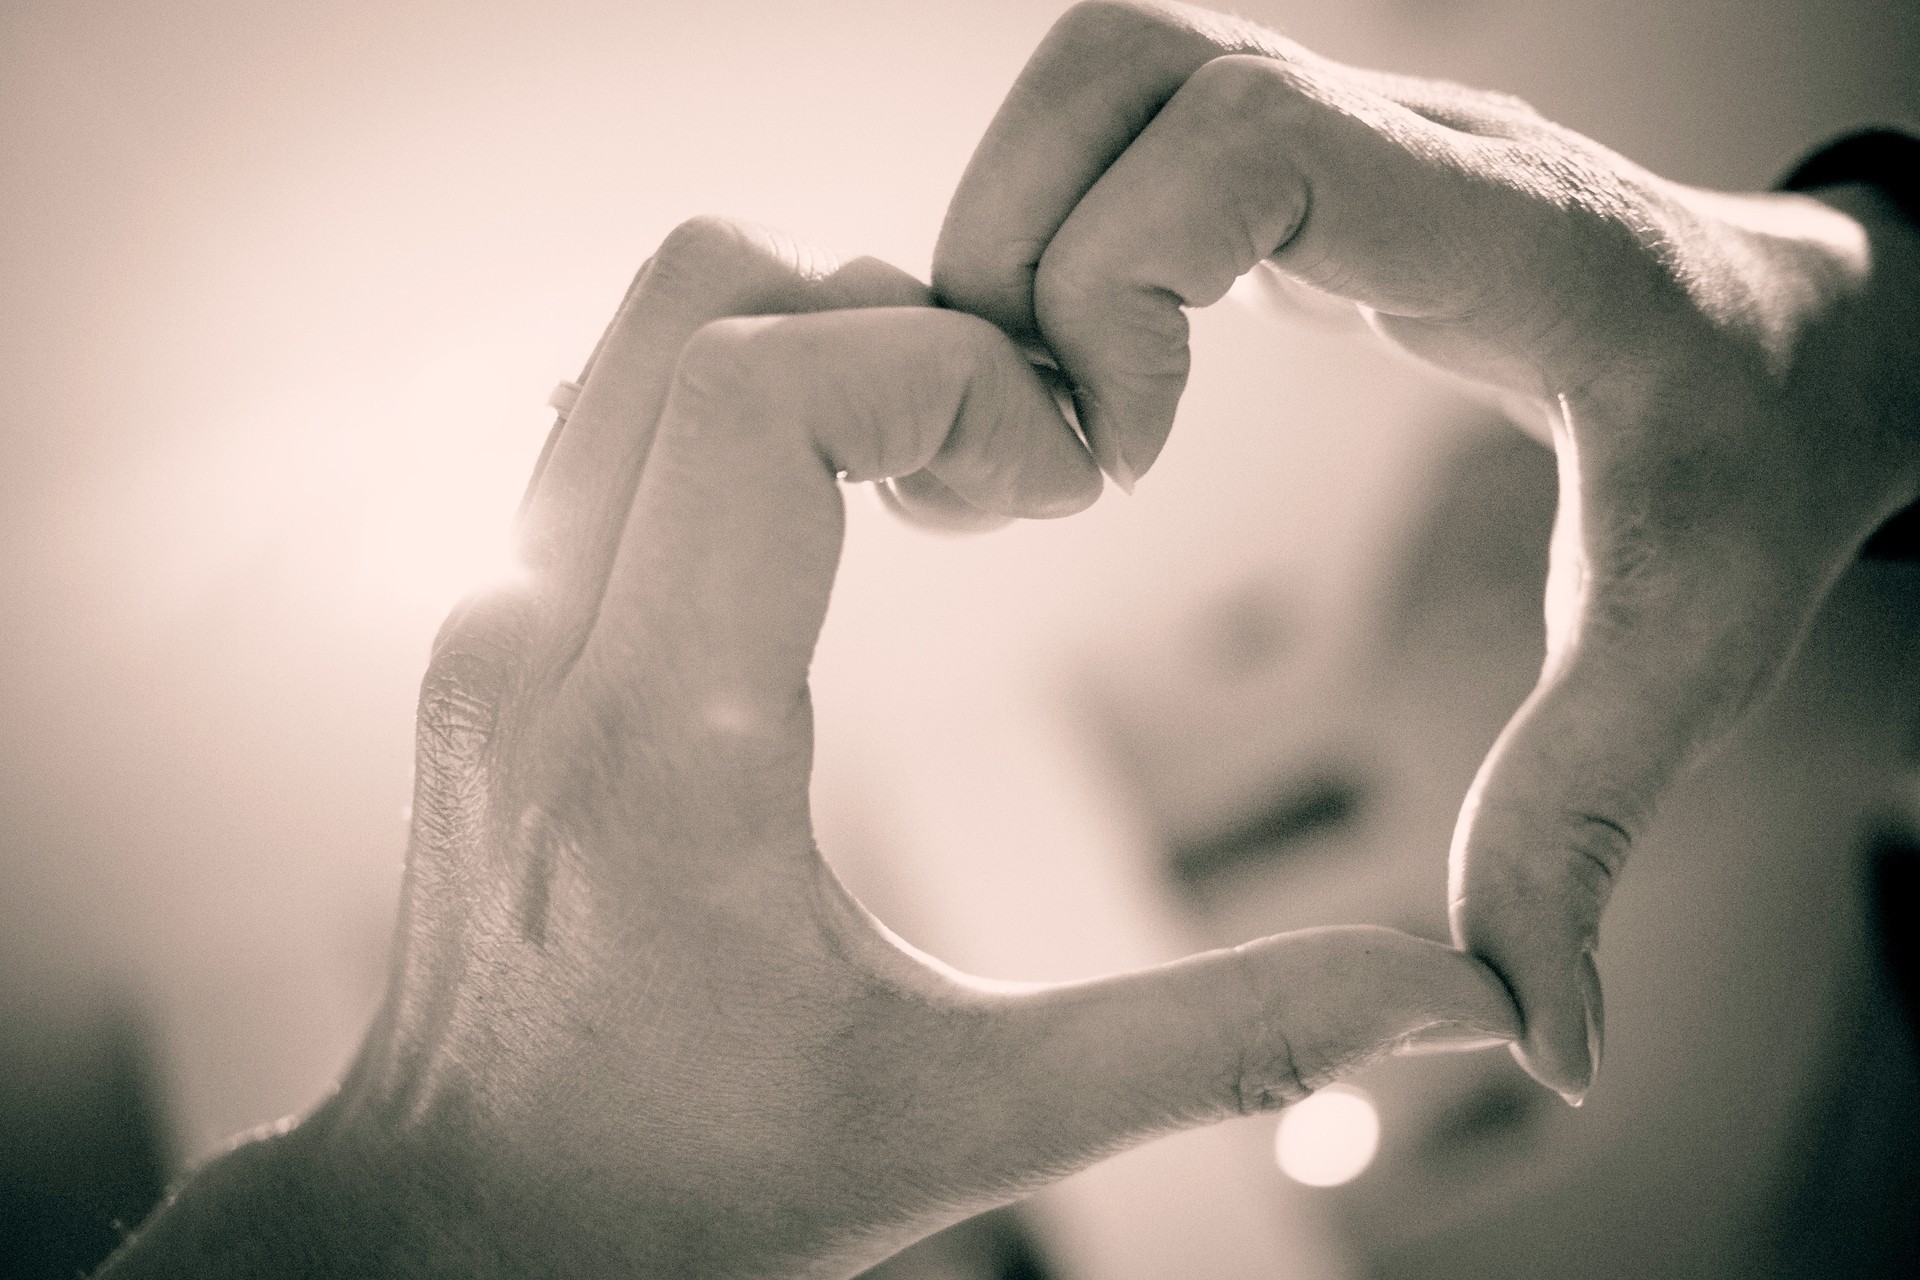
x: 295, y: 1203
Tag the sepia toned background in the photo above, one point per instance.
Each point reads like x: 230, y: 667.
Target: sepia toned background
x: 283, y: 290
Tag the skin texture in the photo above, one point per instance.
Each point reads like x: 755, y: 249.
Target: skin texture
x: 1723, y: 380
x: 635, y: 1026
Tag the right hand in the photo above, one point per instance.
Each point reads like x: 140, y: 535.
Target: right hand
x: 1720, y: 377
x: 635, y: 1025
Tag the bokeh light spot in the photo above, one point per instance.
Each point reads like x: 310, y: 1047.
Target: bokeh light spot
x: 1329, y: 1138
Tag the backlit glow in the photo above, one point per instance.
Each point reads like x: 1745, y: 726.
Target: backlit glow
x: 1328, y: 1139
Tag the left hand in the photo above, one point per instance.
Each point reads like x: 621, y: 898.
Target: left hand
x: 1727, y: 381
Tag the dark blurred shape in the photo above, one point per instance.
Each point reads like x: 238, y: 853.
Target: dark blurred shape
x: 1289, y: 817
x: 1498, y: 1110
x: 1890, y: 160
x: 1855, y: 1211
x: 1896, y: 894
x: 994, y: 1246
x: 81, y: 1155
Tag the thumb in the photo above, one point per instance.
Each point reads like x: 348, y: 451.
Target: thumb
x: 1651, y: 662
x: 1089, y: 1068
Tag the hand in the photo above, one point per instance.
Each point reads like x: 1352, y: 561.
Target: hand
x: 1716, y: 374
x: 635, y: 1024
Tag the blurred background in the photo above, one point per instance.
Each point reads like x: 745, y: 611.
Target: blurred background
x: 284, y: 291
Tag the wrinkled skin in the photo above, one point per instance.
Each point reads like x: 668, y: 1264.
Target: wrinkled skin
x: 1728, y: 383
x: 619, y: 752
x: 636, y: 1027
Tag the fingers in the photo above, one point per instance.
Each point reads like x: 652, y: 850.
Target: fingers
x: 706, y: 269
x: 1534, y: 865
x: 1090, y: 1067
x: 728, y: 552
x: 1092, y: 85
x: 1252, y: 160
x: 1652, y: 660
x: 1146, y: 159
x: 1098, y: 79
x: 923, y: 500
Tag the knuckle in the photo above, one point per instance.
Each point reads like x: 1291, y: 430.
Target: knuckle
x: 1486, y: 113
x: 478, y: 658
x: 1079, y: 290
x: 1170, y: 35
x: 746, y: 266
x: 1101, y: 22
x: 1597, y: 847
x: 1510, y: 107
x: 704, y: 240
x: 1266, y: 1075
x: 721, y: 361
x: 496, y: 622
x: 1238, y: 86
x: 1559, y: 865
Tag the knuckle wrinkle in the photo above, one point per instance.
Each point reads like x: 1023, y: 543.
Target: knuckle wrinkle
x: 1237, y: 85
x: 1266, y: 1075
x: 1602, y: 845
x: 1098, y: 21
x: 701, y: 237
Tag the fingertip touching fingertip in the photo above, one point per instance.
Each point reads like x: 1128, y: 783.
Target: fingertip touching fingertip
x: 1572, y: 1081
x: 1059, y: 503
x: 923, y: 502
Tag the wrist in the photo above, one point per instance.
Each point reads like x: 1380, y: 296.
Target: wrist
x: 312, y: 1200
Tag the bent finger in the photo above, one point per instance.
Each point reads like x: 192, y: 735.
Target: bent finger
x: 1646, y: 675
x: 1099, y: 76
x: 728, y: 553
x: 707, y: 268
x: 1254, y: 160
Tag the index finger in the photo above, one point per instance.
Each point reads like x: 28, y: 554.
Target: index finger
x: 1094, y: 83
x: 1148, y: 158
x: 728, y: 552
x: 707, y: 268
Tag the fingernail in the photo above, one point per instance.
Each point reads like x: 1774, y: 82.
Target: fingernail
x: 1105, y: 456
x: 1105, y: 446
x: 1595, y: 1008
x: 1596, y: 1013
x: 1451, y: 1037
x: 1103, y: 442
x: 922, y: 502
